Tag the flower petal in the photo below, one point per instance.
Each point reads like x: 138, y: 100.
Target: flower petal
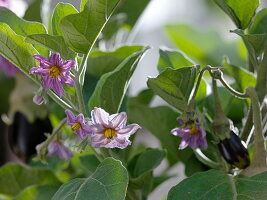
x: 55, y: 59
x: 47, y: 83
x: 71, y: 118
x: 44, y: 62
x: 100, y: 116
x: 118, y: 120
x: 57, y: 87
x: 68, y: 65
x: 130, y: 129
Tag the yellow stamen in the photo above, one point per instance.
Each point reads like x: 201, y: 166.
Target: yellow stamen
x: 76, y: 126
x: 194, y: 131
x: 109, y: 133
x: 54, y: 71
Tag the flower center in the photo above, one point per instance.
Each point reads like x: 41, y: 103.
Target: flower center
x: 194, y: 131
x: 109, y: 133
x: 76, y: 126
x: 54, y: 71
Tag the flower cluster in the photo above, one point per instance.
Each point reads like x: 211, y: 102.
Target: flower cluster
x: 55, y: 72
x: 105, y: 130
x: 192, y: 134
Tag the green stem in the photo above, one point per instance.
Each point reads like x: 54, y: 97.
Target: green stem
x: 218, y: 75
x: 205, y: 160
x: 192, y: 99
x: 247, y: 126
x: 259, y: 154
x: 261, y: 86
x: 82, y: 108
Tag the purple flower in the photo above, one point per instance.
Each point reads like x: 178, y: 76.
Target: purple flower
x: 78, y: 125
x: 57, y: 148
x: 110, y: 131
x: 9, y: 69
x: 5, y: 3
x: 192, y: 134
x: 55, y: 72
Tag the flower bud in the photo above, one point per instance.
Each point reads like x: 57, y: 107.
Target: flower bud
x: 234, y: 151
x: 38, y: 99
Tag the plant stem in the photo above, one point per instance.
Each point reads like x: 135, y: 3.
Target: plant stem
x: 218, y: 75
x: 205, y: 160
x: 248, y: 125
x: 259, y: 154
x: 261, y: 86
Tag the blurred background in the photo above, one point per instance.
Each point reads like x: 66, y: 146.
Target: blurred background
x: 165, y: 24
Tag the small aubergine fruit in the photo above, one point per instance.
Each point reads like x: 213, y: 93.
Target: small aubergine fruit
x: 234, y: 152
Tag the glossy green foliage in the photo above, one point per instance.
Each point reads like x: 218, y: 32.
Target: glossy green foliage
x: 109, y: 181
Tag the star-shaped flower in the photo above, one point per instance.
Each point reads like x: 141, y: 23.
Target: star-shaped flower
x: 192, y: 134
x: 78, y: 124
x: 110, y: 131
x: 55, y: 72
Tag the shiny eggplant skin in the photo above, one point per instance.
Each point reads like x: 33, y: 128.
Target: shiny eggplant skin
x: 234, y: 151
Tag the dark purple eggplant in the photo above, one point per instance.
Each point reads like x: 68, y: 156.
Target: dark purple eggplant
x: 234, y: 152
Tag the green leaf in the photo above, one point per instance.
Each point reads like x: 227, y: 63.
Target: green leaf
x: 202, y: 90
x: 53, y: 43
x: 240, y: 11
x: 18, y: 25
x: 108, y: 182
x: 112, y: 86
x: 89, y: 162
x: 174, y: 85
x: 81, y: 30
x: 133, y: 9
x: 159, y: 121
x: 37, y: 192
x: 113, y: 25
x: 17, y: 51
x: 147, y: 161
x: 61, y: 10
x: 101, y: 62
x: 193, y: 165
x: 172, y: 59
x: 214, y: 184
x: 33, y: 12
x: 15, y: 178
x: 259, y: 24
x: 242, y: 77
x: 22, y: 27
x: 255, y: 43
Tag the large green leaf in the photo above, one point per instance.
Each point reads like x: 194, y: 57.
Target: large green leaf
x: 259, y: 24
x: 101, y: 62
x: 174, y: 85
x: 255, y: 44
x: 20, y: 26
x: 61, y: 10
x: 33, y: 12
x: 113, y: 25
x: 133, y: 9
x: 240, y: 11
x: 108, y: 182
x: 81, y: 30
x: 112, y: 86
x: 159, y: 121
x: 147, y: 161
x: 215, y: 184
x: 37, y: 192
x: 172, y: 58
x: 14, y: 178
x: 13, y: 47
x: 53, y: 43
